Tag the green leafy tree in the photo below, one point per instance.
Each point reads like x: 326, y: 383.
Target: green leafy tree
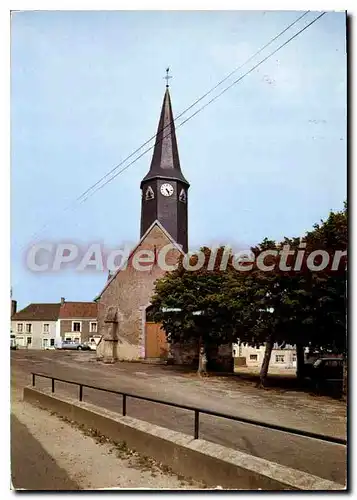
x: 281, y: 305
x: 193, y: 292
x: 262, y: 304
x: 328, y: 306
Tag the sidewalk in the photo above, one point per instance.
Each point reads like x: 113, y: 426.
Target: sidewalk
x: 48, y: 453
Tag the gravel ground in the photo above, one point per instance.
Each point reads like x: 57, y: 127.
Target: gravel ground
x: 49, y: 453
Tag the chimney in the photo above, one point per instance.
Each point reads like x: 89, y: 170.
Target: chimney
x: 62, y: 301
x: 13, y: 307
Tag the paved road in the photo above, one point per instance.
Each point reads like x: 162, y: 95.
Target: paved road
x: 294, y: 409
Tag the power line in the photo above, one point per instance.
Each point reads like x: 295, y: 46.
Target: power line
x: 196, y: 102
x: 208, y: 103
x: 85, y: 195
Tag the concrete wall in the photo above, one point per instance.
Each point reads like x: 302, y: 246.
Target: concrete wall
x: 211, y: 463
x: 37, y: 335
x: 130, y: 291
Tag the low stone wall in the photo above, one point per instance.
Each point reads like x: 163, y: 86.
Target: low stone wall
x: 219, y: 358
x: 240, y: 361
x: 211, y: 463
x: 185, y: 353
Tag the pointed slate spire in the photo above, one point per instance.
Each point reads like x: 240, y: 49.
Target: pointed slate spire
x: 165, y: 161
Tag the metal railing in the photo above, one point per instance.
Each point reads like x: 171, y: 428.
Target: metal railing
x: 197, y: 411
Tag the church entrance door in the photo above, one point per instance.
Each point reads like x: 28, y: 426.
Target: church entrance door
x: 155, y: 339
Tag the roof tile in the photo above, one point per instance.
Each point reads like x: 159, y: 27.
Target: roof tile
x: 46, y: 312
x: 78, y: 310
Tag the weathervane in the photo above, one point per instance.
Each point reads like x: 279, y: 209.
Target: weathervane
x: 167, y: 77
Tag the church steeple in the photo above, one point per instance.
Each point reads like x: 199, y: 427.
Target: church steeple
x: 165, y: 161
x: 164, y: 188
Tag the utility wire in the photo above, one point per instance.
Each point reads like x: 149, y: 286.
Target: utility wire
x: 207, y: 104
x: 84, y: 196
x: 195, y: 102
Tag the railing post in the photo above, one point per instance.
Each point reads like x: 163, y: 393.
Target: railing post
x: 80, y: 392
x: 53, y: 385
x: 124, y: 405
x: 33, y: 380
x: 197, y: 423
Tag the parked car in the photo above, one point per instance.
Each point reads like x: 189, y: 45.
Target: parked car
x: 326, y: 370
x: 92, y: 344
x: 79, y: 346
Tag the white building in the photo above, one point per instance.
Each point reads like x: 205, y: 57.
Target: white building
x: 35, y: 326
x: 253, y: 356
x: 44, y: 326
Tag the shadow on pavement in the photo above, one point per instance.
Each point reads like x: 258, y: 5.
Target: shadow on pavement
x: 280, y: 382
x: 32, y: 468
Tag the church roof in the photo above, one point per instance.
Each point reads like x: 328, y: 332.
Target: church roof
x: 165, y: 161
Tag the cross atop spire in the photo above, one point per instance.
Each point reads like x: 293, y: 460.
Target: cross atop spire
x: 165, y: 161
x: 167, y: 77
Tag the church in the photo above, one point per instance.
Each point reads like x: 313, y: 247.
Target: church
x: 124, y: 301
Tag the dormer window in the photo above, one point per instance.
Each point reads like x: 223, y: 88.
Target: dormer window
x: 182, y: 196
x: 149, y: 194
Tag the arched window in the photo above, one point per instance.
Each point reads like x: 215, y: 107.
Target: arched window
x: 182, y: 196
x: 150, y: 314
x: 149, y: 194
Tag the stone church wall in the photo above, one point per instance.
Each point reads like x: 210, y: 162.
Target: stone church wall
x: 131, y: 291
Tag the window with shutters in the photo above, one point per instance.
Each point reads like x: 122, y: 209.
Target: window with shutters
x: 76, y: 326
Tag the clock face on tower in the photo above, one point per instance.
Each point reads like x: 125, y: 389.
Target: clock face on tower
x: 166, y: 189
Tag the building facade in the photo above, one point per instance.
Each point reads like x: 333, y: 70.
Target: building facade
x: 45, y: 326
x: 36, y: 326
x: 130, y: 292
x: 253, y: 356
x: 78, y: 321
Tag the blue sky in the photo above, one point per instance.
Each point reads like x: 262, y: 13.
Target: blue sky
x: 267, y: 159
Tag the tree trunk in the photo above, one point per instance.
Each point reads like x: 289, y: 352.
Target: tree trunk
x: 202, y: 359
x: 300, y: 362
x: 266, y: 360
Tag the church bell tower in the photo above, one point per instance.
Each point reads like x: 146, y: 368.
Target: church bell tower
x: 164, y: 188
